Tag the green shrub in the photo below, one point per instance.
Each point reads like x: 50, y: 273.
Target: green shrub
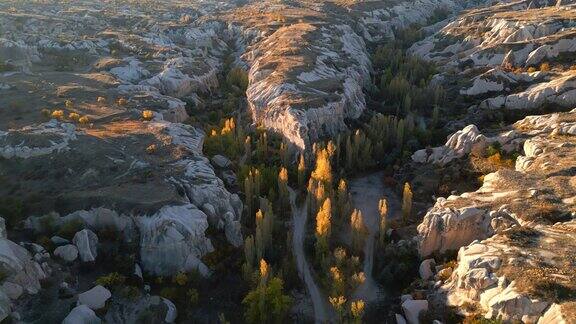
x: 130, y: 292
x: 68, y: 229
x: 239, y: 78
x: 171, y: 293
x: 111, y: 280
x: 193, y: 296
x: 12, y: 210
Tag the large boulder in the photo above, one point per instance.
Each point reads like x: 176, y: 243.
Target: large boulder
x: 81, y: 314
x: 87, y: 243
x: 148, y: 309
x: 425, y: 269
x: 458, y: 144
x: 173, y: 240
x: 413, y: 308
x: 94, y: 298
x: 19, y: 266
x: 67, y: 253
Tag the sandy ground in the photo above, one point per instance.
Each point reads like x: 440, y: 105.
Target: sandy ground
x: 366, y: 192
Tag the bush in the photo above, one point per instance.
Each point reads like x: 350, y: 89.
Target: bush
x: 84, y: 120
x: 397, y: 266
x: 68, y: 229
x: 46, y: 243
x: 180, y: 279
x: 74, y: 116
x: 193, y: 296
x: 111, y: 280
x: 58, y: 114
x: 239, y: 78
x: 170, y: 293
x: 147, y: 115
x: 130, y: 292
x: 12, y: 210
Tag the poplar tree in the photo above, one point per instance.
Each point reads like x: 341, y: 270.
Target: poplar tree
x: 323, y: 228
x: 358, y: 229
x: 301, y: 171
x: 383, y: 211
x: 248, y: 149
x: 249, y: 192
x: 283, y: 187
x: 406, y: 203
x: 323, y: 170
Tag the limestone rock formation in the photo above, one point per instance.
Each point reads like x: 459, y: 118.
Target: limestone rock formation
x: 173, y: 240
x: 87, y: 243
x: 94, y: 298
x: 68, y: 252
x: 511, y: 231
x: 81, y: 315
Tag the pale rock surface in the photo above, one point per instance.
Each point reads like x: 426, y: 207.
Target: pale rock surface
x: 87, y: 243
x: 173, y: 240
x: 68, y: 253
x: 130, y: 73
x: 39, y: 140
x: 502, y: 237
x: 458, y: 144
x: 399, y: 319
x: 94, y: 298
x: 413, y: 308
x: 553, y: 315
x: 81, y: 314
x: 425, y: 269
x: 12, y: 290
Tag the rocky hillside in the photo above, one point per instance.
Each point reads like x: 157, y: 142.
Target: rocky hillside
x: 112, y: 200
x: 309, y: 61
x: 514, y: 233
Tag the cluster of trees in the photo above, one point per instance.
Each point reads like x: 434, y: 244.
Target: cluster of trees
x: 403, y: 82
x: 227, y: 139
x: 338, y: 261
x: 267, y: 302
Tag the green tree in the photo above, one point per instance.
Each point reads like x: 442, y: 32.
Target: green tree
x: 267, y: 303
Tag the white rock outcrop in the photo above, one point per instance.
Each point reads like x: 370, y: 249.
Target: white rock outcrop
x: 459, y: 144
x: 173, y: 240
x: 87, y: 243
x: 94, y: 298
x: 68, y: 253
x: 81, y: 314
x: 412, y: 310
x: 39, y: 140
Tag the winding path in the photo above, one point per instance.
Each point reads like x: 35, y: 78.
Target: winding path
x: 323, y: 313
x: 366, y: 193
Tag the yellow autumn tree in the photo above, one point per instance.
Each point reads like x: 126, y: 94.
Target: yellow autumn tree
x: 283, y: 188
x: 343, y: 200
x: 323, y: 169
x: 229, y: 126
x: 338, y: 302
x: 406, y: 202
x: 383, y: 211
x: 358, y: 229
x: 301, y: 171
x: 357, y: 310
x: 323, y: 227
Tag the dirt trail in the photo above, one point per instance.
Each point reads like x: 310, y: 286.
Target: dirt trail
x: 366, y: 192
x: 323, y: 313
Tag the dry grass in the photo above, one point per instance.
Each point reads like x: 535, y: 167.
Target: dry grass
x: 117, y: 129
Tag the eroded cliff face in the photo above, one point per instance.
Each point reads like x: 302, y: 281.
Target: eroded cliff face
x: 309, y: 62
x: 513, y: 233
x: 513, y: 58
